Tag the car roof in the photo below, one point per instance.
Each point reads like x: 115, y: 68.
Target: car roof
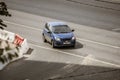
x: 56, y: 23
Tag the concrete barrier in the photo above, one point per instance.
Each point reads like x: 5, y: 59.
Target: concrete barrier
x: 12, y: 47
x: 6, y: 35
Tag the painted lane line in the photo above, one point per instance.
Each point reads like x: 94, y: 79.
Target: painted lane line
x: 79, y: 56
x: 80, y: 39
x: 116, y: 29
x: 23, y: 25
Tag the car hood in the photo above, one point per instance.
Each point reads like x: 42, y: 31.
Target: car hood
x: 64, y: 35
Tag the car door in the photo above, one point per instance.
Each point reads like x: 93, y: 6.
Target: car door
x: 47, y: 32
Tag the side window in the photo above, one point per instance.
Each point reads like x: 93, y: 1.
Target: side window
x: 47, y: 27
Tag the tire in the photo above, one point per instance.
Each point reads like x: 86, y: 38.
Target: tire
x: 53, y: 45
x: 43, y: 37
x: 73, y: 46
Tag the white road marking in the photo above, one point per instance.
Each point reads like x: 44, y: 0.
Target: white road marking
x: 23, y: 25
x: 98, y: 43
x: 86, y: 60
x: 79, y: 56
x: 116, y: 29
x: 68, y: 66
x: 55, y: 76
x: 80, y: 39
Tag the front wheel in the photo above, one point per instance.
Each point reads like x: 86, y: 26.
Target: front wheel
x: 73, y: 46
x: 53, y: 44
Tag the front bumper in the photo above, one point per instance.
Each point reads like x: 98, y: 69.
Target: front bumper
x: 65, y: 43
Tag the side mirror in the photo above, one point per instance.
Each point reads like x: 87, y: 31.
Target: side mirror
x: 73, y: 30
x: 48, y: 32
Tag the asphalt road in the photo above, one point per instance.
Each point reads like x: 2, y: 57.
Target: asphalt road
x: 96, y: 55
x: 104, y: 14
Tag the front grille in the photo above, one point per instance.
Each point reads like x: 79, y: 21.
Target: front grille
x: 67, y: 39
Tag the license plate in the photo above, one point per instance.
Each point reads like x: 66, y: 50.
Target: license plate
x: 66, y: 42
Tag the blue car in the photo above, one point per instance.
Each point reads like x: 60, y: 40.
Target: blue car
x: 58, y: 34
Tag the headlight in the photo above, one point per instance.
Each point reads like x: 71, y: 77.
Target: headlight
x: 73, y: 38
x: 57, y: 39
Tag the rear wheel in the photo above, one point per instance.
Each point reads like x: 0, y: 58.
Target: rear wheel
x: 43, y: 37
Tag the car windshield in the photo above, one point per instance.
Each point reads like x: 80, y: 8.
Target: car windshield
x: 61, y: 29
